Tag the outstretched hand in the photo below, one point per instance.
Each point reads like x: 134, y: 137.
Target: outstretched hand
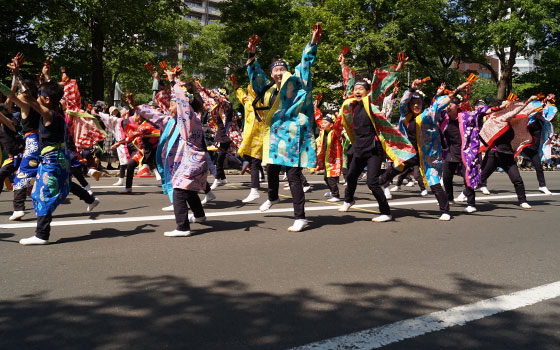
x: 416, y: 83
x: 401, y: 65
x: 317, y: 31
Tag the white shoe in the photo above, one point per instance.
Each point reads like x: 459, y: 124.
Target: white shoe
x: 445, y: 217
x: 545, y: 190
x: 461, y: 198
x: 387, y: 192
x: 33, y: 241
x: 346, y: 206
x: 169, y: 208
x: 92, y: 205
x: 88, y: 189
x: 254, y: 194
x: 268, y: 204
x: 17, y: 215
x: 157, y: 175
x: 126, y: 190
x: 333, y: 200
x: 382, y: 218
x: 210, y: 196
x: 119, y: 182
x: 96, y: 174
x: 177, y: 233
x: 484, y: 190
x: 327, y: 194
x: 193, y: 219
x: 286, y: 186
x: 525, y: 205
x: 469, y: 209
x: 215, y: 184
x: 298, y: 225
x: 306, y: 188
x: 395, y: 188
x: 424, y: 193
x: 285, y: 177
x: 410, y: 184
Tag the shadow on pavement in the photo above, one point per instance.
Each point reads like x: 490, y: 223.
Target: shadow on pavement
x: 168, y: 312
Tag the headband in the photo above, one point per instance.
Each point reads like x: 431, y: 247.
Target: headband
x: 278, y: 64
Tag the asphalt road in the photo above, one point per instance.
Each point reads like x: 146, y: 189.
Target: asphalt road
x: 244, y: 282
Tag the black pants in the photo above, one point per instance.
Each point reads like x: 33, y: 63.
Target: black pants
x: 355, y: 169
x: 533, y: 154
x: 182, y: 200
x: 19, y: 199
x: 222, y: 152
x: 505, y: 161
x: 296, y: 187
x: 6, y: 171
x: 43, y: 230
x: 332, y: 184
x: 449, y: 169
x: 482, y: 166
x: 81, y: 192
x: 132, y: 164
x: 417, y: 176
x: 256, y: 169
x: 78, y: 174
x: 438, y: 191
x: 122, y: 171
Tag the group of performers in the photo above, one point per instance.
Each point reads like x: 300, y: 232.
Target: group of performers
x: 44, y: 131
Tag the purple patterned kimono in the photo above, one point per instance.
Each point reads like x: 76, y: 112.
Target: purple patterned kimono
x: 470, y: 142
x: 187, y: 155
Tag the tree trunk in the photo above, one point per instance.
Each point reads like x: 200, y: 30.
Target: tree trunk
x: 97, y: 77
x: 505, y: 83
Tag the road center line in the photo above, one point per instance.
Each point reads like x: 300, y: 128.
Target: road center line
x: 220, y: 213
x: 436, y: 321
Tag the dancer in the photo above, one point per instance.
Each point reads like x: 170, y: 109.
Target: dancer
x: 423, y: 132
x: 372, y: 136
x: 288, y: 133
x: 329, y: 151
x: 460, y: 130
x: 541, y: 130
x: 188, y: 156
x: 251, y: 149
x: 505, y: 135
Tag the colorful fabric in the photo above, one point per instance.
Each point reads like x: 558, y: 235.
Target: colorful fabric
x: 252, y: 144
x: 470, y: 143
x: 85, y: 130
x: 168, y: 137
x: 187, y: 156
x: 397, y: 147
x: 545, y: 115
x: 288, y: 134
x: 329, y: 158
x: 72, y: 95
x: 427, y: 137
x: 114, y: 125
x: 516, y: 116
x: 29, y: 164
x: 163, y: 100
x: 349, y: 79
x: 52, y: 183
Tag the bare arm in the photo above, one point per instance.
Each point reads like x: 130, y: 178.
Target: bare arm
x: 4, y: 120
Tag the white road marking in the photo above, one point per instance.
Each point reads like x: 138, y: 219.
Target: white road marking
x: 436, y: 321
x: 244, y: 212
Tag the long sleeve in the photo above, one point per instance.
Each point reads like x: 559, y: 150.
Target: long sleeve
x: 257, y: 77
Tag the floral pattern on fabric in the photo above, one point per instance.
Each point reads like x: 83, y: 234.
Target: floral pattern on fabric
x: 52, y: 183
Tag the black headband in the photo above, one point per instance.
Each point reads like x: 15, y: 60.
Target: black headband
x: 362, y: 83
x: 278, y: 64
x: 329, y: 119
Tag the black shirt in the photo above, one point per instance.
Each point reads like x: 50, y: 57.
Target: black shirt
x: 503, y: 143
x: 411, y: 133
x: 365, y: 144
x: 535, y: 130
x: 31, y: 122
x: 11, y: 141
x: 53, y: 134
x: 453, y: 140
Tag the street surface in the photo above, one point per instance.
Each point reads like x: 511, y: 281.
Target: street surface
x: 110, y: 280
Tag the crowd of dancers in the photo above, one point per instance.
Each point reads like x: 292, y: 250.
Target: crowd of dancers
x: 44, y: 132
